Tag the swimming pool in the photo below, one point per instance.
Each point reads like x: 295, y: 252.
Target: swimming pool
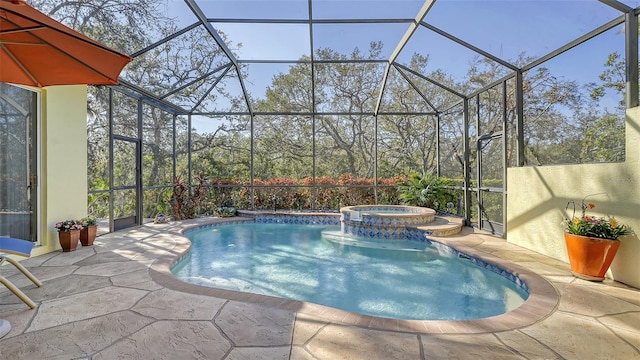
x: 315, y: 263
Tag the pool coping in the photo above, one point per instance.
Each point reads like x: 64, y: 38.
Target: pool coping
x: 542, y: 301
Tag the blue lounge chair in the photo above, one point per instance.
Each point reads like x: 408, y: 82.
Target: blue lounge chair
x: 17, y: 247
x: 5, y: 327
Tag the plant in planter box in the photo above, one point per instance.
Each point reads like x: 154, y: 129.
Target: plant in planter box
x: 592, y: 242
x: 68, y: 234
x: 89, y: 230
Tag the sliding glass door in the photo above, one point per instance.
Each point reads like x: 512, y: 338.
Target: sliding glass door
x: 18, y: 162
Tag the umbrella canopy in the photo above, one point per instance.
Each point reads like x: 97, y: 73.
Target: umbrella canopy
x: 37, y: 50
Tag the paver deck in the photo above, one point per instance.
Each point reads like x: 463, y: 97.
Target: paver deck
x: 116, y: 300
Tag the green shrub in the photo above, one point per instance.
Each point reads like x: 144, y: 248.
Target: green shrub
x: 426, y: 190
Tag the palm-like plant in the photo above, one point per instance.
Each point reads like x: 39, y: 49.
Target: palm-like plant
x: 426, y: 190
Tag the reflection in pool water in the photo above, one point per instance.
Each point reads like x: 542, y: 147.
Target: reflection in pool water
x: 395, y: 279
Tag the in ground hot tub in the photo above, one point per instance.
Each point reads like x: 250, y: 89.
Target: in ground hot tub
x: 384, y: 221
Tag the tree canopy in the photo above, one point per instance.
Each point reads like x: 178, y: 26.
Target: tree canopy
x: 318, y: 120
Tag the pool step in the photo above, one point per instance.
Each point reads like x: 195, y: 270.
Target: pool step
x: 444, y: 226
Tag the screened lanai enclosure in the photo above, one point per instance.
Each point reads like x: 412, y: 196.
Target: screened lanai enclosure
x: 318, y: 104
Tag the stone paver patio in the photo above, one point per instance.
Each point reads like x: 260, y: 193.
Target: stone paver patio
x: 117, y: 300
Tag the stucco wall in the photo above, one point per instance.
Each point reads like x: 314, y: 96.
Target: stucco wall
x: 537, y: 197
x: 63, y: 183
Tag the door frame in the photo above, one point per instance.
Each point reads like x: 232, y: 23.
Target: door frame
x: 484, y: 223
x: 136, y: 219
x: 33, y: 154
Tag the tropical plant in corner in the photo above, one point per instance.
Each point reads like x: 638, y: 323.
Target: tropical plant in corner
x: 426, y: 190
x: 186, y: 200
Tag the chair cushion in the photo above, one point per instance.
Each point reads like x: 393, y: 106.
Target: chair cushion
x: 15, y: 246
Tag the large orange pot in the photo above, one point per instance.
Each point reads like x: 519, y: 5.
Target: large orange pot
x: 590, y: 258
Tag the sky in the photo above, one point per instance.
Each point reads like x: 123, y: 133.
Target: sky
x: 504, y: 28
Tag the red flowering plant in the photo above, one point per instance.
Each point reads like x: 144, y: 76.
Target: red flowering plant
x: 68, y: 225
x: 593, y: 226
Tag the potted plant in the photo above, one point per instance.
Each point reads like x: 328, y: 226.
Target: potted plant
x: 68, y: 234
x: 89, y: 230
x: 160, y: 219
x: 227, y: 209
x: 592, y: 242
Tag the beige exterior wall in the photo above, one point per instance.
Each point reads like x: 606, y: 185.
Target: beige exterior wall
x: 537, y: 197
x: 63, y: 160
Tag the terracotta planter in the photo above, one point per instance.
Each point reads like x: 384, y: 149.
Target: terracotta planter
x: 69, y: 240
x: 88, y: 235
x: 590, y: 258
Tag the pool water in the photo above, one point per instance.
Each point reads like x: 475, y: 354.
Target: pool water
x: 314, y: 263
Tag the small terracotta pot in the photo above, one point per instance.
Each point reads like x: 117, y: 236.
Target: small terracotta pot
x: 88, y: 235
x: 69, y: 240
x: 589, y: 257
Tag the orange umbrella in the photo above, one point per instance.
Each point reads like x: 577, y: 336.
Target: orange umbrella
x: 38, y: 51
